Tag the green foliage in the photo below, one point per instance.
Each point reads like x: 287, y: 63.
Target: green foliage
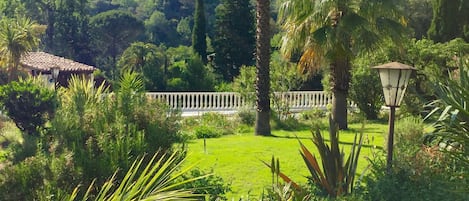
x: 234, y: 40
x: 433, y: 61
x: 450, y: 18
x: 158, y: 180
x: 206, y: 131
x: 71, y: 35
x: 29, y: 104
x: 147, y: 59
x: 104, y: 132
x: 112, y: 32
x: 246, y: 116
x: 450, y: 112
x: 187, y: 71
x: 213, y: 124
x: 34, y: 178
x: 365, y: 88
x: 213, y: 187
x: 419, y: 173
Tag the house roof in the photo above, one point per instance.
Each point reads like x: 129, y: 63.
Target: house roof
x: 42, y: 61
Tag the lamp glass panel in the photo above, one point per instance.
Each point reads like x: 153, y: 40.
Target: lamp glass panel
x: 387, y: 92
x: 384, y: 76
x: 404, y: 80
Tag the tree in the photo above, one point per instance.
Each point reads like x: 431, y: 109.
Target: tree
x: 112, y: 32
x: 71, y: 36
x: 450, y: 19
x: 199, y: 42
x: 234, y: 37
x: 331, y: 33
x: 17, y: 38
x: 148, y: 60
x: 262, y: 126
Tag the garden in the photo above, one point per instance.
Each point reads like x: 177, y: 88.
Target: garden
x: 100, y: 137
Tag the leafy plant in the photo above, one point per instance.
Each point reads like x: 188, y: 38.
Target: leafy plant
x: 451, y: 112
x: 212, y: 186
x: 158, y: 180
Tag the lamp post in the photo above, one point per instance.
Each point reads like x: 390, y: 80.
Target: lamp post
x: 394, y: 78
x: 54, y: 71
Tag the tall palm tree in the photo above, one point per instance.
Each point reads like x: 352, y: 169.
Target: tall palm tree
x: 262, y: 126
x: 331, y: 32
x: 17, y: 38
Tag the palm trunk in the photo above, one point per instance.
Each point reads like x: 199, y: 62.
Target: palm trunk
x: 262, y: 126
x: 340, y: 79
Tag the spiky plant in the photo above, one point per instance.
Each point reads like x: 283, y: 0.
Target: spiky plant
x: 158, y: 180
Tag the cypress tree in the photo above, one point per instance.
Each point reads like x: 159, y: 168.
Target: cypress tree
x: 199, y: 42
x: 446, y: 23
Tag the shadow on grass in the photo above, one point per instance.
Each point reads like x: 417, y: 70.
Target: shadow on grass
x: 327, y: 140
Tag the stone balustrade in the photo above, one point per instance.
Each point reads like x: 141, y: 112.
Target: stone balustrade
x: 230, y: 102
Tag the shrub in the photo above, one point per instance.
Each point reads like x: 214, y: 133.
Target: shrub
x: 212, y: 186
x: 424, y: 175
x: 28, y: 104
x: 365, y: 90
x: 37, y: 176
x: 206, y: 131
x: 246, y: 116
x: 106, y: 132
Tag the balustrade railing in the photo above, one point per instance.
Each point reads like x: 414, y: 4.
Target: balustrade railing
x: 219, y: 101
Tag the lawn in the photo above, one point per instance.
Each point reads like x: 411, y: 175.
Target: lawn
x: 237, y: 158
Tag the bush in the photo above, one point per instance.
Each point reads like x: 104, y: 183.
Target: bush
x: 423, y: 176
x: 246, y: 116
x: 28, y: 104
x: 37, y: 176
x: 205, y: 131
x: 212, y: 186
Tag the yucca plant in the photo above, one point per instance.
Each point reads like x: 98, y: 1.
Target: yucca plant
x: 451, y: 112
x: 158, y: 180
x: 336, y: 177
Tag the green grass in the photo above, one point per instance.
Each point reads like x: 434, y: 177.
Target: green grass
x: 237, y: 158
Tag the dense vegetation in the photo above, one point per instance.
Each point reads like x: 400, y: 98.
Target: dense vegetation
x: 103, y: 137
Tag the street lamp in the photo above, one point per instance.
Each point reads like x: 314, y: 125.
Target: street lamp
x: 394, y: 78
x: 54, y: 71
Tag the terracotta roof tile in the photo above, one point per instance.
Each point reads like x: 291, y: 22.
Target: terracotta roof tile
x: 42, y: 61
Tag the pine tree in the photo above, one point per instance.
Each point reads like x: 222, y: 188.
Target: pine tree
x: 199, y: 42
x: 234, y: 39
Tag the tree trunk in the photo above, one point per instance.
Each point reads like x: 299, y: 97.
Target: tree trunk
x: 340, y: 80
x: 262, y: 126
x: 339, y: 109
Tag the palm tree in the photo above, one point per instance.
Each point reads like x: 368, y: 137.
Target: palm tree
x: 262, y: 67
x: 332, y: 32
x: 17, y: 38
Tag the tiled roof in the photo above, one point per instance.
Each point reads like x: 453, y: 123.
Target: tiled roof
x: 42, y: 61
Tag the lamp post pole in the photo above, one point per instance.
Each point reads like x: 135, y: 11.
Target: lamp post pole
x: 392, y: 117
